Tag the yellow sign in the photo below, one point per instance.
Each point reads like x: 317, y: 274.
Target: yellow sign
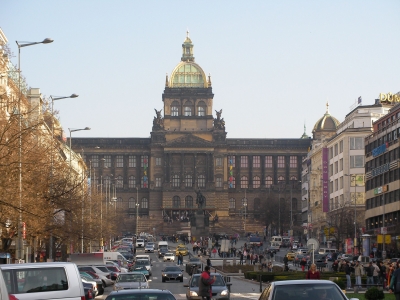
x: 329, y: 230
x: 388, y: 238
x: 389, y: 98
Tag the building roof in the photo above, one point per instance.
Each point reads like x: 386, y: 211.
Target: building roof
x: 327, y: 122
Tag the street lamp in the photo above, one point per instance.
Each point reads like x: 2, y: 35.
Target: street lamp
x: 245, y: 210
x: 353, y: 178
x: 18, y: 252
x: 137, y: 212
x: 54, y: 98
x: 71, y: 130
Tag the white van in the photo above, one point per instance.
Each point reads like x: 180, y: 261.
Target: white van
x: 327, y: 250
x: 139, y: 243
x: 51, y: 280
x: 162, y: 244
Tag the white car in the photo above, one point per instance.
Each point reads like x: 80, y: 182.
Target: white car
x: 294, y: 247
x: 169, y: 256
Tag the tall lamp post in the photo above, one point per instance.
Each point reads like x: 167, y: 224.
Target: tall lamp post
x: 19, y: 252
x: 137, y: 212
x: 54, y: 98
x: 245, y: 211
x: 71, y: 130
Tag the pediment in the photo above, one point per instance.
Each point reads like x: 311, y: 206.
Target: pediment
x: 189, y: 141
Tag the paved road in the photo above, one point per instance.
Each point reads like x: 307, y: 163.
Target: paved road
x: 240, y: 289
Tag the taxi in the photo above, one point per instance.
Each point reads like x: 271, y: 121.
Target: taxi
x: 290, y: 255
x: 183, y: 250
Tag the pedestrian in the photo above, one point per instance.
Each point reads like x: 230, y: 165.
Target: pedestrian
x: 358, y: 271
x: 209, y: 262
x: 205, y: 283
x: 394, y: 286
x: 241, y: 258
x: 370, y: 274
x: 347, y: 270
x: 376, y: 272
x: 382, y: 274
x: 303, y: 263
x: 313, y: 272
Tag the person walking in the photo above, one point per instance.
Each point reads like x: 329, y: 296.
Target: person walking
x: 313, y: 273
x: 205, y: 283
x: 347, y: 270
x: 394, y: 286
x: 358, y: 270
x: 241, y: 258
x: 370, y: 274
x: 303, y: 263
x: 376, y: 272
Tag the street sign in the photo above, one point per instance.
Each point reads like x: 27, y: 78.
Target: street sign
x: 383, y: 230
x: 305, y: 231
x: 383, y: 254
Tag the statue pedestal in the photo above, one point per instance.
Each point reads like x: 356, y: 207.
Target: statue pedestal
x: 199, y: 225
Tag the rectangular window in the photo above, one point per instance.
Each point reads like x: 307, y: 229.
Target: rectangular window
x: 158, y: 161
x: 107, y: 161
x: 144, y: 161
x: 231, y: 161
x: 341, y: 183
x: 158, y: 181
x: 244, y: 162
x: 268, y: 162
x: 341, y: 164
x: 132, y: 161
x: 356, y: 143
x: 119, y: 161
x: 331, y: 170
x: 336, y: 185
x: 336, y: 149
x: 293, y: 162
x: 330, y: 152
x: 340, y: 146
x: 218, y: 161
x: 281, y: 162
x: 219, y: 182
x: 95, y: 161
x: 256, y: 161
x: 357, y: 161
x: 336, y: 167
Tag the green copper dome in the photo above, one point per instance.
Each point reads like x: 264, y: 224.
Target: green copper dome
x: 187, y: 73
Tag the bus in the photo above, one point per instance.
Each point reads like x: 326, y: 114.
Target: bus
x: 277, y: 239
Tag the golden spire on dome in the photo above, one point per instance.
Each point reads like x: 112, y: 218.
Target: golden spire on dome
x: 327, y: 107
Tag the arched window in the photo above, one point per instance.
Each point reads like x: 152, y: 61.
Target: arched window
x: 201, y: 182
x: 232, y: 203
x: 145, y: 203
x: 176, y: 202
x: 189, y: 201
x: 131, y: 203
x: 119, y: 183
x: 244, y: 202
x: 293, y: 181
x: 131, y: 182
x: 256, y: 182
x: 268, y: 181
x: 188, y: 181
x: 188, y: 111
x: 175, y: 181
x: 232, y: 184
x: 244, y: 182
x: 281, y: 179
x: 175, y: 109
x: 201, y: 109
x: 120, y: 203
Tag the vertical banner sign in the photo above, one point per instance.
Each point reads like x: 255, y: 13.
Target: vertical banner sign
x: 230, y: 172
x: 325, y: 179
x: 145, y: 171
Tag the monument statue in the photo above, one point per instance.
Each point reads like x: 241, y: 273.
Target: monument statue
x: 200, y: 199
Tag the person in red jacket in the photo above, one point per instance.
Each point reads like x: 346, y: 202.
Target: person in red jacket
x: 205, y: 282
x: 313, y: 273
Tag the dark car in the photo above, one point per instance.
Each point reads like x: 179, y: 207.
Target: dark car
x: 172, y: 273
x: 152, y: 294
x: 87, y: 287
x: 319, y: 260
x: 193, y: 262
x: 91, y: 277
x: 161, y: 252
x: 220, y: 288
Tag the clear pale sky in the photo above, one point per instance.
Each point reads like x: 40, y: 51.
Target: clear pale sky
x: 273, y: 64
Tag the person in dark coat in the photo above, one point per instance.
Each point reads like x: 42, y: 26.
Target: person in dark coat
x: 205, y: 282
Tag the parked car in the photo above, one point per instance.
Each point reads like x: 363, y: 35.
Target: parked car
x: 172, y: 273
x: 153, y: 294
x: 149, y: 248
x: 100, y: 286
x: 303, y: 289
x: 104, y: 276
x: 169, y: 256
x: 87, y: 288
x: 220, y: 288
x: 131, y: 280
x: 93, y: 285
x: 193, y: 262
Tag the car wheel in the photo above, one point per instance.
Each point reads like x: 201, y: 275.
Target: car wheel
x: 104, y: 283
x: 163, y: 280
x: 181, y: 279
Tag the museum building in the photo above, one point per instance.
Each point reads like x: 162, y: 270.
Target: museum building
x: 188, y: 153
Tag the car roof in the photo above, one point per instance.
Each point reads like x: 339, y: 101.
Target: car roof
x: 140, y: 291
x: 211, y: 274
x: 303, y: 281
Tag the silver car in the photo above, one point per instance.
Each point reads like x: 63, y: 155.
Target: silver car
x: 219, y: 290
x: 131, y: 280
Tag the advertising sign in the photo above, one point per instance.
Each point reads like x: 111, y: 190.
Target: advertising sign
x: 325, y: 179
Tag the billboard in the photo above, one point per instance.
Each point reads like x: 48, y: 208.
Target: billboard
x: 325, y: 179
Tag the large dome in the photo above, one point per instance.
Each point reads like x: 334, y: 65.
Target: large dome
x: 187, y: 73
x: 327, y: 122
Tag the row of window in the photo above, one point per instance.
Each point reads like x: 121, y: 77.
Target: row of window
x: 382, y: 179
x: 377, y: 222
x: 356, y: 161
x: 379, y: 200
x: 119, y: 161
x: 244, y: 161
x: 390, y: 136
x: 382, y: 159
x: 356, y: 143
x: 188, y: 109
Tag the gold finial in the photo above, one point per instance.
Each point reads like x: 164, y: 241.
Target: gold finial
x: 187, y: 32
x: 327, y: 107
x: 209, y: 80
x: 166, y: 80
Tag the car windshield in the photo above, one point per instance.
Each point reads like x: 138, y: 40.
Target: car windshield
x: 140, y: 268
x: 194, y: 260
x: 307, y: 291
x: 142, y: 263
x: 169, y: 254
x: 172, y: 269
x: 131, y: 278
x: 139, y: 295
x: 218, y: 281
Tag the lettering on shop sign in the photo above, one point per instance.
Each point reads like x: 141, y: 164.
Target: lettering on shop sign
x: 379, y: 170
x: 389, y: 98
x: 379, y: 150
